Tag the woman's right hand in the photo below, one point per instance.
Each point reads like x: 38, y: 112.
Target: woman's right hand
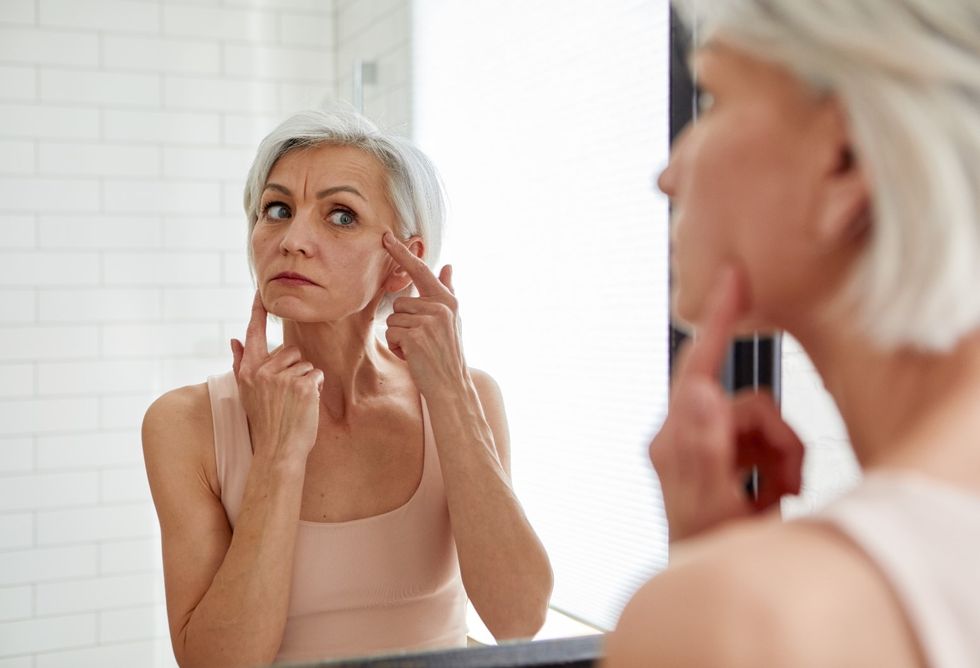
x: 280, y: 392
x: 710, y: 441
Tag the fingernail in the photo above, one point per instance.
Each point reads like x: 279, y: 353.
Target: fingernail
x: 386, y: 237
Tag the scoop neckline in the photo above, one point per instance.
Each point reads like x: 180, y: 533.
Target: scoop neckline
x: 403, y: 507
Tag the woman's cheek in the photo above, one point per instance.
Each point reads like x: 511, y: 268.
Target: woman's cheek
x: 697, y: 253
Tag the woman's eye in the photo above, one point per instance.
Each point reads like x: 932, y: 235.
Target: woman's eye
x: 342, y: 218
x: 276, y: 211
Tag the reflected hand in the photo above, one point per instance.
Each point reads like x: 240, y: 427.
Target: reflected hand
x: 280, y: 392
x: 710, y: 441
x: 425, y: 330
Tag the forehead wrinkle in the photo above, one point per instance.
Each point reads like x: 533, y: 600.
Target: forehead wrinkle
x: 306, y: 184
x: 351, y: 171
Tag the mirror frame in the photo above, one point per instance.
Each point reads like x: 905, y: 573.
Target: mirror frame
x: 579, y: 652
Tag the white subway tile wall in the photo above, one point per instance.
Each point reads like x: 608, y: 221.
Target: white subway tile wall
x: 16, y: 454
x: 18, y: 11
x: 16, y: 603
x: 21, y: 302
x: 17, y: 157
x: 17, y: 231
x: 16, y: 531
x: 378, y: 33
x: 126, y: 131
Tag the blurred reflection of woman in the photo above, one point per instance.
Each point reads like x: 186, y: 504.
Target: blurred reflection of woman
x: 831, y: 188
x: 340, y: 496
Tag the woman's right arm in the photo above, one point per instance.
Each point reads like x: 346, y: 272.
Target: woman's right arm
x: 227, y: 594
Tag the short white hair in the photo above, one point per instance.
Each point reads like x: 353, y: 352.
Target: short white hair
x: 413, y: 184
x: 907, y: 73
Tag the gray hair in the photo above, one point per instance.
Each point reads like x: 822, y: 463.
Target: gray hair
x: 907, y: 72
x: 413, y: 185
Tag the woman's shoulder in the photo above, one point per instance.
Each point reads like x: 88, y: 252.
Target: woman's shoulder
x: 485, y: 384
x: 188, y: 406
x: 179, y: 425
x: 762, y: 592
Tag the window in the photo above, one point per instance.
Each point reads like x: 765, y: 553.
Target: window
x: 548, y: 121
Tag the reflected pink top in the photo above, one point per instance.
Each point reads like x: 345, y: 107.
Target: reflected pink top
x: 380, y: 584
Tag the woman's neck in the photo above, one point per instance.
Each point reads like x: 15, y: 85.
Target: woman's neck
x: 353, y: 362
x: 904, y: 408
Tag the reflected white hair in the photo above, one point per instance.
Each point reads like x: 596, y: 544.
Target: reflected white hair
x: 413, y: 185
x: 907, y: 72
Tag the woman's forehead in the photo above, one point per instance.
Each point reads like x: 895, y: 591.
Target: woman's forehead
x: 329, y: 164
x: 715, y: 55
x: 726, y: 67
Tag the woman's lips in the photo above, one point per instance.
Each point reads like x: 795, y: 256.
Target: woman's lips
x: 292, y: 278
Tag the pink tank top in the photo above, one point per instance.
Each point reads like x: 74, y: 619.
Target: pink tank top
x: 923, y: 535
x: 385, y: 583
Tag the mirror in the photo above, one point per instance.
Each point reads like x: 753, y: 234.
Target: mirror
x: 128, y: 128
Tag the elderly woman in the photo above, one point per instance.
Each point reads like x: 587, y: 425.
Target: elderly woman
x: 831, y: 188
x: 340, y: 495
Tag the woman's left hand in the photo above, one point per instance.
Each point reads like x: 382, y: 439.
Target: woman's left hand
x: 425, y: 330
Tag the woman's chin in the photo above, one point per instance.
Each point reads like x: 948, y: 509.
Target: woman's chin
x: 292, y: 308
x: 683, y: 310
x: 687, y: 315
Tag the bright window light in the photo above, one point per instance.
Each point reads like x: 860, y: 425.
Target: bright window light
x: 548, y: 121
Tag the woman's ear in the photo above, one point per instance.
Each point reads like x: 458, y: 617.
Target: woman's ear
x: 399, y: 279
x: 845, y: 200
x: 846, y: 204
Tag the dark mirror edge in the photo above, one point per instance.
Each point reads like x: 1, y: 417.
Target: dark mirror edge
x: 579, y: 652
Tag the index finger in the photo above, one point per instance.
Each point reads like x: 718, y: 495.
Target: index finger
x: 424, y: 279
x: 721, y: 312
x: 256, y: 346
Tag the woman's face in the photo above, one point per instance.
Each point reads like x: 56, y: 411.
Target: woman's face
x: 317, y: 242
x: 758, y: 182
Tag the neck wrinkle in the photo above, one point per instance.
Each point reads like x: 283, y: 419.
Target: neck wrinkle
x: 353, y: 361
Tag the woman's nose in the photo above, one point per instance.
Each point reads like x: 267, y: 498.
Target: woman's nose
x: 666, y: 180
x: 299, y: 235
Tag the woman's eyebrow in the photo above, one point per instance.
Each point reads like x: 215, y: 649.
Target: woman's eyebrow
x: 340, y: 189
x: 275, y: 186
x: 320, y: 195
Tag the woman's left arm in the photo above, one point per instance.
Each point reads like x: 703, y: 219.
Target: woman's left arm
x: 505, y: 569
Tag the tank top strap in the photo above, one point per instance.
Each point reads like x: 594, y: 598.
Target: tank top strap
x: 232, y: 445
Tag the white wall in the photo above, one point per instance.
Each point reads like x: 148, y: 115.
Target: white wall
x: 379, y: 32
x: 126, y: 129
